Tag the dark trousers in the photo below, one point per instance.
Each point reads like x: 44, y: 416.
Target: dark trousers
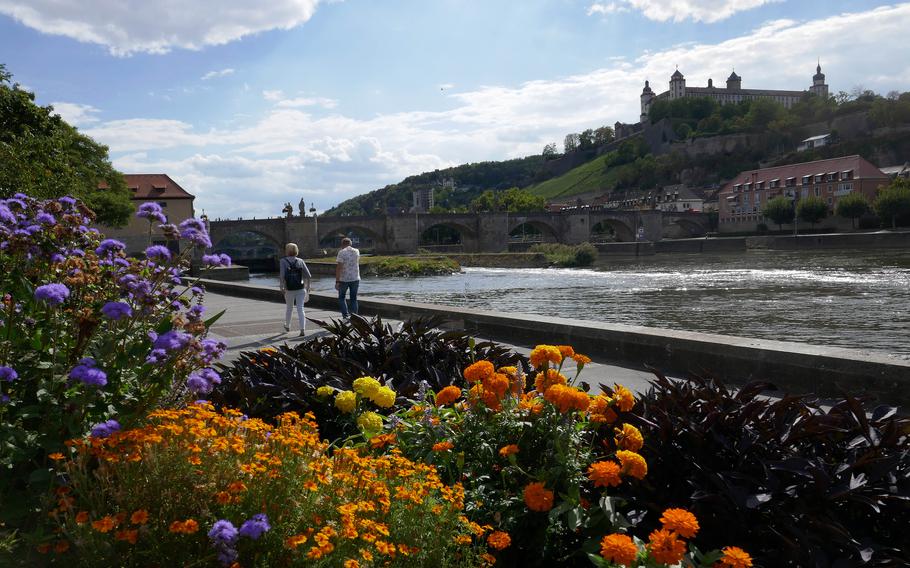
x: 351, y: 305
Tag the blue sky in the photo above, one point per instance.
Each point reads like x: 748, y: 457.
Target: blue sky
x: 251, y: 107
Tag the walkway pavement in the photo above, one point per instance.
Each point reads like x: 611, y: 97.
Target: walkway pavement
x: 252, y: 324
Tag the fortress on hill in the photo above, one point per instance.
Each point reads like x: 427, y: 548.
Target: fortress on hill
x: 732, y: 94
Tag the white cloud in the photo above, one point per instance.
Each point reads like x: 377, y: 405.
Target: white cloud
x: 75, y: 113
x: 255, y: 165
x: 126, y: 27
x: 708, y: 11
x: 216, y: 74
x: 445, y: 86
x: 306, y: 102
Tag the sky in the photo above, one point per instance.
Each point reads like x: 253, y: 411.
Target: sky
x: 251, y: 106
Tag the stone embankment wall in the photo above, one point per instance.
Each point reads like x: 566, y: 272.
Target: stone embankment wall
x: 791, y: 367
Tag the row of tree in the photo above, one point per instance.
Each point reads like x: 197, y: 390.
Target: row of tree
x: 580, y: 141
x: 892, y: 204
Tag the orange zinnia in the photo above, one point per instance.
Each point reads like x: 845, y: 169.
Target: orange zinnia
x: 629, y: 438
x: 665, y: 547
x: 538, y: 497
x: 604, y: 474
x: 618, y: 548
x: 735, y: 557
x: 478, y: 371
x: 499, y: 540
x: 448, y: 395
x: 443, y: 446
x: 681, y: 521
x: 543, y: 354
x: 633, y: 464
x: 507, y: 451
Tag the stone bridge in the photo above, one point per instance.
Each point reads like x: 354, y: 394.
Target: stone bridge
x: 479, y: 232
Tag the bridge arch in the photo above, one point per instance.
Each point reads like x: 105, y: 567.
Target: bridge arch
x: 683, y: 227
x: 363, y: 236
x: 446, y: 235
x: 620, y: 229
x: 532, y: 231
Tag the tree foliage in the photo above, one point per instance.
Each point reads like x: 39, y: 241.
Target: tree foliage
x: 44, y: 157
x: 893, y: 203
x: 812, y: 209
x: 779, y: 210
x: 511, y: 200
x: 853, y: 206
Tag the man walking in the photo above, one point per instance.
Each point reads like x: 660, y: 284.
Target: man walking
x: 347, y: 277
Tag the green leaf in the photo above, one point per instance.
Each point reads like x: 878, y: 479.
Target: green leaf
x: 211, y: 321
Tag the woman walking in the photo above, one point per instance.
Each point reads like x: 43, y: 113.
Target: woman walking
x: 294, y: 278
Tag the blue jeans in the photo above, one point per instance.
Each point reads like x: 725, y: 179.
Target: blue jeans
x: 351, y: 304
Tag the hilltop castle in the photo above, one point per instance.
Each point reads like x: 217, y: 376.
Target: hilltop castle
x: 733, y: 93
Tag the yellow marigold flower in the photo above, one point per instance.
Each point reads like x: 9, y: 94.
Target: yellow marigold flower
x: 581, y: 360
x: 296, y: 540
x: 366, y: 386
x: 543, y: 354
x: 499, y: 540
x: 507, y: 451
x: 104, y: 524
x: 623, y: 397
x: 600, y: 411
x: 632, y: 464
x: 546, y: 379
x: 369, y: 422
x: 665, y: 547
x: 448, y: 395
x: 735, y: 557
x: 351, y: 563
x: 681, y: 521
x: 56, y: 456
x: 566, y: 350
x: 325, y: 391
x: 139, y: 517
x: 383, y: 440
x: 604, y: 474
x: 538, y: 497
x: 463, y: 539
x: 478, y: 371
x: 346, y: 401
x: 81, y: 517
x: 508, y: 370
x: 629, y: 438
x: 443, y: 446
x: 383, y: 397
x: 619, y: 549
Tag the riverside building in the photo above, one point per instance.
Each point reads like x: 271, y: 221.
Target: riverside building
x: 741, y: 201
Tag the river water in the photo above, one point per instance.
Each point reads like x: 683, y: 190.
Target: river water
x: 853, y: 299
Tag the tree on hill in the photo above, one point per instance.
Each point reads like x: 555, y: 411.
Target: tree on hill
x: 853, y: 206
x: 893, y: 202
x: 779, y: 210
x: 512, y: 200
x: 44, y: 157
x: 812, y: 210
x: 570, y: 144
x: 550, y: 152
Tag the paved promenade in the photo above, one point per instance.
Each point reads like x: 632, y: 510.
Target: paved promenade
x: 252, y: 324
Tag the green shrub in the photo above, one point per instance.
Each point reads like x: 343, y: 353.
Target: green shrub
x: 415, y: 266
x: 567, y: 256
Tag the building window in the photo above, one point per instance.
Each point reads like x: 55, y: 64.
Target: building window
x: 806, y: 180
x: 818, y: 191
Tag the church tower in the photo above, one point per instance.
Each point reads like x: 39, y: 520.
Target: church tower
x: 647, y: 95
x: 818, y: 83
x: 677, y: 85
x: 734, y: 82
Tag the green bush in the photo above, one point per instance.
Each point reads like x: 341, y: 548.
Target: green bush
x: 567, y: 256
x: 893, y: 203
x: 853, y: 206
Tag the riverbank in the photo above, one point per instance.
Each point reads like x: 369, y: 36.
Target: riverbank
x: 391, y: 266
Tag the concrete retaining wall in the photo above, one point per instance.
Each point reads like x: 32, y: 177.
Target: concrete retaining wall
x: 793, y: 367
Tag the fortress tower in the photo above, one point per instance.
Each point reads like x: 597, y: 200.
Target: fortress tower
x: 818, y: 83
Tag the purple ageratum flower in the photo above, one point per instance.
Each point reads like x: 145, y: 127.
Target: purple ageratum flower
x: 46, y: 218
x: 109, y: 246
x: 202, y: 381
x: 223, y: 532
x: 7, y: 216
x: 157, y: 356
x: 66, y: 200
x: 158, y: 252
x: 87, y: 373
x: 172, y: 340
x: 212, y: 350
x: 255, y: 527
x: 151, y: 211
x: 57, y: 258
x: 117, y: 310
x: 195, y: 314
x: 194, y: 231
x: 211, y: 260
x: 105, y: 429
x: 52, y: 294
x: 8, y: 374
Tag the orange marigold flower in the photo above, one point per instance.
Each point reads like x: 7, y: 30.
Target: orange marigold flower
x: 498, y: 383
x: 543, y: 354
x: 443, y: 446
x: 351, y: 563
x: 619, y: 549
x: 44, y: 547
x: 61, y: 546
x: 623, y: 397
x: 478, y: 371
x: 581, y: 360
x: 223, y: 497
x: 487, y: 559
x: 632, y: 464
x: 629, y: 438
x: 383, y: 440
x: 499, y: 540
x: 448, y: 395
x: 57, y: 456
x: 139, y: 517
x: 538, y: 497
x: 546, y: 379
x: 507, y: 451
x: 104, y: 524
x: 681, y: 521
x: 665, y: 547
x: 236, y: 487
x: 82, y: 517
x: 188, y: 526
x: 604, y: 474
x: 566, y: 350
x: 735, y: 557
x: 127, y: 535
x: 463, y: 539
x: 295, y: 541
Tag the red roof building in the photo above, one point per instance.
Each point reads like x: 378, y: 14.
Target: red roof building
x: 741, y: 201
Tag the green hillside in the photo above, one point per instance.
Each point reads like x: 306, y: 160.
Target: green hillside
x: 586, y: 178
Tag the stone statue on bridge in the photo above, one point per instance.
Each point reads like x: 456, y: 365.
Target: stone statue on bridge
x: 288, y: 210
x: 302, y: 207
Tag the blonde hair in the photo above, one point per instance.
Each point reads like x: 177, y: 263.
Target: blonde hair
x: 346, y: 242
x: 291, y: 249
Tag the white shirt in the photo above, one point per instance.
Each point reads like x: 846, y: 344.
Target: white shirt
x: 349, y: 259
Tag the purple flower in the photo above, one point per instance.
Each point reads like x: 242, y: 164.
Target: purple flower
x: 255, y: 527
x: 109, y: 246
x: 66, y: 200
x: 202, y: 381
x: 195, y: 314
x: 156, y: 357
x: 117, y: 310
x: 223, y: 532
x: 172, y: 340
x: 194, y: 231
x: 212, y: 350
x: 87, y: 373
x: 196, y: 291
x: 105, y: 429
x: 8, y: 374
x: 57, y: 258
x: 7, y: 216
x: 53, y: 294
x: 151, y: 211
x: 158, y: 252
x: 46, y: 218
x: 211, y: 260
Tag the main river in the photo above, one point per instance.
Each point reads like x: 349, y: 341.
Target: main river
x: 855, y: 299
